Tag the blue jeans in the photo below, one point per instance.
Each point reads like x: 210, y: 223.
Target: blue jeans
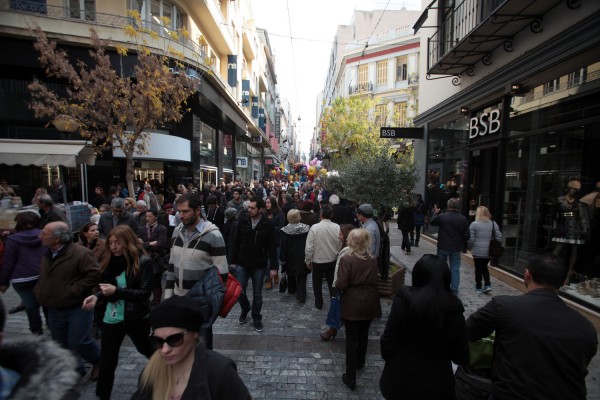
x: 71, y: 328
x: 32, y: 307
x: 454, y: 263
x: 258, y: 275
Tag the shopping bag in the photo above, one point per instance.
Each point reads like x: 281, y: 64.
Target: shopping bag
x: 283, y: 283
x: 334, y: 316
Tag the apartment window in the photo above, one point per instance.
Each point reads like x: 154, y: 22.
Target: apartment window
x: 578, y: 77
x: 161, y: 16
x: 82, y: 9
x: 38, y: 6
x: 551, y: 86
x: 380, y: 114
x: 363, y: 74
x: 400, y: 113
x: 401, y: 68
x: 382, y: 72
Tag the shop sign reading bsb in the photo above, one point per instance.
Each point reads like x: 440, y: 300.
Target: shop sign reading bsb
x: 484, y: 124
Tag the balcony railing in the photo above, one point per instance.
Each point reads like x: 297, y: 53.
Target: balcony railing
x: 360, y: 88
x: 569, y: 84
x: 457, y: 24
x: 101, y: 19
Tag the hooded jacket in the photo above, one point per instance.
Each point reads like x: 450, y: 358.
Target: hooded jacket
x: 191, y: 258
x: 23, y: 252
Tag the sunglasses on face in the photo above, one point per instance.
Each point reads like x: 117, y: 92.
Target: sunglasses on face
x: 174, y: 340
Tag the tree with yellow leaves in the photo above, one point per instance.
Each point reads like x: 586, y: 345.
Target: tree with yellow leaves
x: 351, y: 130
x: 105, y: 106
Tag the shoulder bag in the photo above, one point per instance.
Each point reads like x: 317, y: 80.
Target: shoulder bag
x: 496, y: 250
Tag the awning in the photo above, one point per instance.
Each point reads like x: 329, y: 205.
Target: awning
x: 67, y: 153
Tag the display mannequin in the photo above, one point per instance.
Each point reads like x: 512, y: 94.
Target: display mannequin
x: 570, y: 226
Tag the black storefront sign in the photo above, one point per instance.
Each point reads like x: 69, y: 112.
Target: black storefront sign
x: 401, y: 133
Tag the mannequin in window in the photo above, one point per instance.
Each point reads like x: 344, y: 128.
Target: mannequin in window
x: 571, y: 225
x: 592, y: 203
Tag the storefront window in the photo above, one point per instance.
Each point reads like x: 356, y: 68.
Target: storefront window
x: 539, y: 216
x: 447, y: 166
x: 207, y: 145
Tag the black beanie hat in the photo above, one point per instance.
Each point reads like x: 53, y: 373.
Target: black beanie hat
x: 177, y: 312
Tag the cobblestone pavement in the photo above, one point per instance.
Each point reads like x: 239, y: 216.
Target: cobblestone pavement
x: 288, y: 360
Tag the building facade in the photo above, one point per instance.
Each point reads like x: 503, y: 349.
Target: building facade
x: 511, y: 114
x: 376, y: 60
x: 225, y: 134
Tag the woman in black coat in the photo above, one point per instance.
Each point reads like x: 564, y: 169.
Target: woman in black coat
x: 126, y: 283
x: 406, y: 225
x: 293, y: 242
x: 154, y: 240
x: 424, y: 334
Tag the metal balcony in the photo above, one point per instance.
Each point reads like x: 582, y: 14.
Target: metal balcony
x: 473, y: 29
x: 361, y: 88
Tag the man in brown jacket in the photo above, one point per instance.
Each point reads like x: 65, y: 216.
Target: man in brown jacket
x: 68, y: 274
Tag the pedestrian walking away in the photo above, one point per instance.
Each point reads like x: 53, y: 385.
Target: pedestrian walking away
x: 481, y: 231
x: 453, y: 237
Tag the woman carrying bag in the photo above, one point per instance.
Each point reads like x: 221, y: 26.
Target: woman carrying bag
x: 483, y: 230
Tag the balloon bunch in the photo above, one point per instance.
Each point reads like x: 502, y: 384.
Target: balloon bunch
x: 316, y: 171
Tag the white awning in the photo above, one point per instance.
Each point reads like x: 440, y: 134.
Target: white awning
x: 67, y: 153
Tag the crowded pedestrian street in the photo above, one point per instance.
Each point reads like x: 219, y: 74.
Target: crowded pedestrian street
x: 288, y: 360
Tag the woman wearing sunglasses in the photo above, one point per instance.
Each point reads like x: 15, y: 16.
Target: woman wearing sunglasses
x: 182, y: 368
x: 126, y: 286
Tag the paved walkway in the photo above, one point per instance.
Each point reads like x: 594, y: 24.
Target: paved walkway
x: 288, y: 360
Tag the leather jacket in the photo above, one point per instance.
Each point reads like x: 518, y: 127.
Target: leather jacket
x: 136, y: 293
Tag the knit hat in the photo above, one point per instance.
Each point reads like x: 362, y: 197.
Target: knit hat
x: 167, y: 206
x: 177, y: 312
x: 230, y: 213
x: 366, y: 210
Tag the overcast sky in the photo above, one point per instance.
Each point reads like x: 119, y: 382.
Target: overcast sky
x: 301, y: 62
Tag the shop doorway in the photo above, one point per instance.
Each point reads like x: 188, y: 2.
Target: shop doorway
x: 483, y: 177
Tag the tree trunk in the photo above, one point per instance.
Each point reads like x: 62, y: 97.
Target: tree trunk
x: 129, y: 173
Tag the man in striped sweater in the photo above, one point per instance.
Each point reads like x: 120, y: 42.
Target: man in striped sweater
x: 197, y: 246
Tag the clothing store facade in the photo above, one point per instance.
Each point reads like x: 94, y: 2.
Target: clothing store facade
x: 513, y: 140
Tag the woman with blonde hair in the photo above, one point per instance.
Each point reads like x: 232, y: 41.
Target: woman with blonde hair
x: 357, y: 279
x: 481, y: 231
x: 130, y: 205
x: 125, y: 285
x: 182, y: 367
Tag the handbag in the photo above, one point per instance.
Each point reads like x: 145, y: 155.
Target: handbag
x: 283, y: 283
x: 496, y: 250
x: 334, y: 316
x: 233, y: 290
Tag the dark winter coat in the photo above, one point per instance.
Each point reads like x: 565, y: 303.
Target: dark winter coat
x: 342, y: 215
x: 229, y: 230
x: 278, y: 221
x: 55, y: 214
x: 68, y: 278
x: 23, y: 252
x: 417, y: 363
x: 159, y: 234
x: 454, y: 230
x: 405, y: 219
x: 105, y: 224
x: 213, y: 377
x: 357, y: 279
x: 136, y: 292
x: 253, y: 247
x: 293, y: 243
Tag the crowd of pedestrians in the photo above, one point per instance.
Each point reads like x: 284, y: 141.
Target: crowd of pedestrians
x: 195, y: 240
